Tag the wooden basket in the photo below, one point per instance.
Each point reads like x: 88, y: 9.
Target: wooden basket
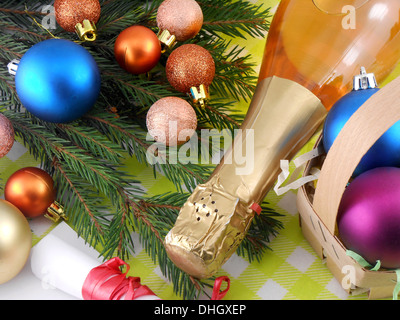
x: 318, y: 206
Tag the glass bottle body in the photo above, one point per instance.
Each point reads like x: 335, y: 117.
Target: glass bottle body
x: 322, y: 44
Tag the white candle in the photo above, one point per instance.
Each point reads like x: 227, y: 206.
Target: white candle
x: 60, y: 265
x: 57, y: 263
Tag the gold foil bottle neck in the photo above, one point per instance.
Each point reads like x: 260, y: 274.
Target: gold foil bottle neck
x: 214, y: 220
x: 86, y: 30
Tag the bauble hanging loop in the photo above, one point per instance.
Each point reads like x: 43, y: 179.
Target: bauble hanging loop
x: 167, y: 40
x: 86, y: 30
x: 200, y: 95
x: 12, y: 67
x: 78, y: 16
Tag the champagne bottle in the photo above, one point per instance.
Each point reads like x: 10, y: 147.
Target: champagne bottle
x: 312, y: 53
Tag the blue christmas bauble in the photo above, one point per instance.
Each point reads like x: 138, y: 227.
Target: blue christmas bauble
x: 57, y: 80
x: 386, y: 150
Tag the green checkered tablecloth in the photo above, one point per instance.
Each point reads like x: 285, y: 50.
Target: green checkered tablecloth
x: 290, y: 270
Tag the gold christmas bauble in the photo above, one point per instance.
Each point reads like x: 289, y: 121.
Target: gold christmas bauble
x: 15, y: 241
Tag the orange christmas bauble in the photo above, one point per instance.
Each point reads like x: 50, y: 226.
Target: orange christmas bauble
x: 137, y: 49
x: 31, y: 190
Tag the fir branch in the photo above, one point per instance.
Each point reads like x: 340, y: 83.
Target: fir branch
x: 17, y: 30
x: 134, y: 140
x: 7, y: 90
x: 138, y: 91
x: 21, y: 12
x: 92, y: 141
x: 27, y: 7
x: 10, y: 49
x: 81, y: 193
x: 236, y: 76
x: 220, y: 114
x: 82, y: 210
x: 234, y: 18
x: 120, y: 242
x: 111, y: 20
x: 263, y: 228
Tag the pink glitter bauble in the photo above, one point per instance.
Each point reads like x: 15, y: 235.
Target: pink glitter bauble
x: 171, y: 121
x: 182, y: 18
x: 6, y: 135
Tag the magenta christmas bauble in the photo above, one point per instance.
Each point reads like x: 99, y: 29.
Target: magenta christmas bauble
x: 369, y: 216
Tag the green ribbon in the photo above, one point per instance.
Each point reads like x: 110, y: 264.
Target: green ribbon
x: 365, y: 264
x: 362, y: 262
x: 397, y: 287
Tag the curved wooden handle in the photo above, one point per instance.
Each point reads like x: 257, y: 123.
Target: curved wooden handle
x: 362, y: 130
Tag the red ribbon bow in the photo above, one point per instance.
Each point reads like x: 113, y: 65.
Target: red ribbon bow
x: 217, y: 294
x: 107, y: 282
